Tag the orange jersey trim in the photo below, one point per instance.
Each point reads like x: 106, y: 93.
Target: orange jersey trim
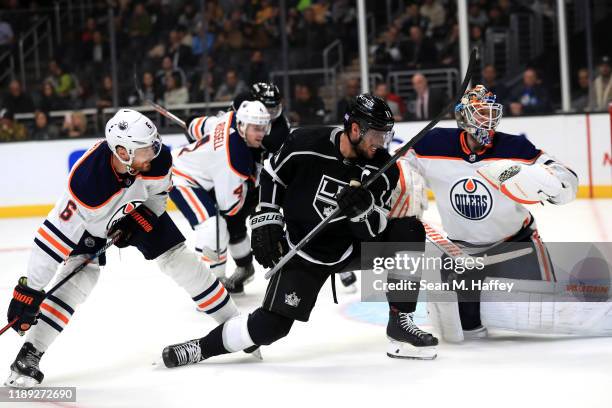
x: 212, y: 299
x: 54, y: 312
x: 54, y: 242
x: 193, y: 201
x: 181, y: 174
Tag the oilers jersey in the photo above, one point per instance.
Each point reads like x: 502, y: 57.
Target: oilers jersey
x: 219, y: 160
x: 95, y: 198
x: 470, y: 208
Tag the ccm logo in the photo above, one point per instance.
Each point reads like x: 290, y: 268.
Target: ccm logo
x: 20, y: 297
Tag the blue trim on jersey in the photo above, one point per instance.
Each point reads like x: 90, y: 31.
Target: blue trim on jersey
x: 61, y: 303
x: 240, y: 155
x: 446, y: 142
x: 219, y: 306
x: 204, y: 197
x: 59, y: 234
x: 48, y: 250
x: 50, y: 322
x: 207, y: 292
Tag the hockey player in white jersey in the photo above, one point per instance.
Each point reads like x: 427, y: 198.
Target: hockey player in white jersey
x: 481, y: 179
x: 120, y: 187
x: 216, y: 176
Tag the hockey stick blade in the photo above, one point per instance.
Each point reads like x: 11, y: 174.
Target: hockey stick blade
x: 399, y: 153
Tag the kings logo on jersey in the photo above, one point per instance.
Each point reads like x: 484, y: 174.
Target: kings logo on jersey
x: 122, y: 212
x: 324, y: 201
x: 471, y: 199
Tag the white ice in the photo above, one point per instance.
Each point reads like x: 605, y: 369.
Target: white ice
x: 110, y: 348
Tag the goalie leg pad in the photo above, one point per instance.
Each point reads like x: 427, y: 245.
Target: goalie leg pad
x: 444, y: 316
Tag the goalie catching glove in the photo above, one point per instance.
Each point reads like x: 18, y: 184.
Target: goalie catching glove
x: 266, y: 234
x: 141, y: 219
x: 525, y: 184
x: 25, y: 305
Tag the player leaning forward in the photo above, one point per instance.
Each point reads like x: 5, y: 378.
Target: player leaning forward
x: 481, y: 178
x: 307, y: 179
x: 118, y: 187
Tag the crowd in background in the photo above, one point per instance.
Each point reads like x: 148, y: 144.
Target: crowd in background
x: 161, y: 41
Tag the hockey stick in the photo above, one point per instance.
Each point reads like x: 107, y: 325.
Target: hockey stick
x: 76, y: 270
x: 399, y: 153
x: 452, y: 250
x: 161, y: 110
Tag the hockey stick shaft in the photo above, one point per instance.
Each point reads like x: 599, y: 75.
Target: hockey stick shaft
x: 399, y: 153
x: 76, y: 270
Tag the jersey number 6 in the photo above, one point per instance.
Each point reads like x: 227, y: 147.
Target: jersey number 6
x: 68, y: 211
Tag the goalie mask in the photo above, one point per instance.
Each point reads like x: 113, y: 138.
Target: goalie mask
x: 374, y: 118
x: 478, y: 113
x: 135, y: 133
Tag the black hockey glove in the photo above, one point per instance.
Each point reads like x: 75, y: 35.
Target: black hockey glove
x: 141, y: 219
x: 25, y: 305
x: 355, y: 202
x: 266, y: 235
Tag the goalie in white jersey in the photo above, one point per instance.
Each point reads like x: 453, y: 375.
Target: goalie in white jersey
x: 481, y: 179
x: 118, y: 187
x: 214, y: 186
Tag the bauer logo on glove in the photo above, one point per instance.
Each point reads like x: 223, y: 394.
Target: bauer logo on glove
x: 525, y: 184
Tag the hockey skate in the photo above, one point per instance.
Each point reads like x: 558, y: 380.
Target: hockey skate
x: 476, y: 333
x: 241, y: 276
x: 190, y: 352
x: 406, y: 340
x: 24, y: 370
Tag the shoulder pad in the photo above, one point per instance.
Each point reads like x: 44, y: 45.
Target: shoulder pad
x: 439, y: 142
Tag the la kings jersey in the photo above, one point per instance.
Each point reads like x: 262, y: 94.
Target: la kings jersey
x: 303, y: 179
x: 96, y: 197
x: 470, y: 208
x: 219, y: 160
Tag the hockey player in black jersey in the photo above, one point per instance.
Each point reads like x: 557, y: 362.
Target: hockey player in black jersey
x: 310, y: 175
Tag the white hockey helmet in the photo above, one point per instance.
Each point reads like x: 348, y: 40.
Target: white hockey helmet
x: 252, y: 113
x: 131, y: 130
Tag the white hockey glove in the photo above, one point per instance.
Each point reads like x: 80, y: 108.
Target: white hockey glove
x: 409, y: 198
x: 525, y: 184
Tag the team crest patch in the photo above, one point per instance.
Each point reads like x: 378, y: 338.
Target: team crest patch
x: 122, y: 212
x: 292, y: 300
x: 324, y: 201
x: 471, y: 199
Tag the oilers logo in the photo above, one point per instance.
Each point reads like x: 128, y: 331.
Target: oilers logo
x: 471, y: 199
x: 122, y: 212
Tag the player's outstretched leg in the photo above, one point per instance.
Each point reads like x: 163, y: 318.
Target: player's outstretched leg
x: 240, y: 333
x: 406, y: 340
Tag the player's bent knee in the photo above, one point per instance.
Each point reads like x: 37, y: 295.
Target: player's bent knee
x: 266, y: 327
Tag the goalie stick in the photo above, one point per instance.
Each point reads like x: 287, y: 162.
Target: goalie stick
x: 399, y: 153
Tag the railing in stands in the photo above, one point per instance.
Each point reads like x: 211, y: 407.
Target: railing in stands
x: 29, y: 43
x: 7, y: 60
x: 338, y: 65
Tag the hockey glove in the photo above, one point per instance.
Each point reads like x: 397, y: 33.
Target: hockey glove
x: 266, y: 235
x: 141, y: 219
x: 25, y: 305
x: 357, y: 203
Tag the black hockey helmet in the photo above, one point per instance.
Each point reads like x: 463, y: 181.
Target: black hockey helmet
x: 369, y: 112
x: 266, y: 93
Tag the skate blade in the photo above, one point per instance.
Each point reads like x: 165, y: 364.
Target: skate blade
x: 17, y: 380
x: 408, y: 351
x: 255, y: 351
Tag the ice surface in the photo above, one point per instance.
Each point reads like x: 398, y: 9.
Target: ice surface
x: 109, y: 349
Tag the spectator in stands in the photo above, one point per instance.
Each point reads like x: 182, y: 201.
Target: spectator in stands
x: 413, y: 17
x: 397, y: 105
x: 497, y: 20
x: 105, y: 94
x: 387, y: 51
x: 190, y: 17
x: 351, y: 90
x: 307, y: 108
x: 419, y: 51
x: 602, y: 86
x: 180, y: 54
x: 75, y: 125
x: 532, y: 96
x: 64, y: 83
x: 16, y: 99
x: 168, y: 69
x: 10, y: 130
x: 516, y: 109
x: 90, y: 28
x: 43, y: 130
x: 449, y: 55
x: 197, y: 93
x: 477, y: 16
x: 97, y: 53
x: 140, y: 26
x: 581, y: 93
x: 489, y: 80
x: 175, y: 93
x: 7, y: 37
x: 49, y: 101
x: 428, y: 102
x: 149, y: 89
x: 433, y: 10
x: 257, y: 70
x: 231, y: 87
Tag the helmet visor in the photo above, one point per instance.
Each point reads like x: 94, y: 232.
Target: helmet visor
x: 378, y: 138
x: 275, y: 111
x: 148, y: 153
